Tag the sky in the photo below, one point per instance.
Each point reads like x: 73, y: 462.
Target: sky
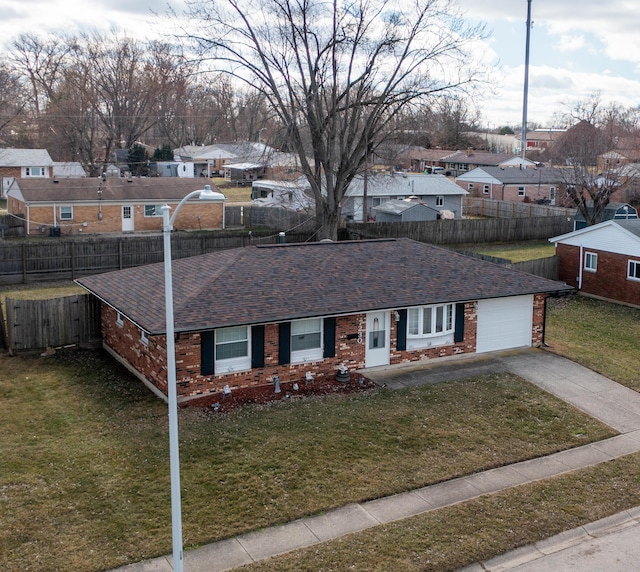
x: 577, y: 47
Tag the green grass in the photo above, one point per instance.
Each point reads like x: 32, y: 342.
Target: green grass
x: 600, y: 335
x: 85, y: 480
x: 517, y: 252
x: 84, y: 470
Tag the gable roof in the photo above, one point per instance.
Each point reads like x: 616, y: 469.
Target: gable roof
x: 403, y: 184
x: 25, y: 158
x: 269, y: 284
x: 395, y: 206
x: 630, y: 227
x: 514, y: 175
x: 85, y: 189
x: 477, y: 157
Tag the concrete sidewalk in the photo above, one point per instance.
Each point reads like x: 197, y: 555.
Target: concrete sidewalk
x: 594, y: 394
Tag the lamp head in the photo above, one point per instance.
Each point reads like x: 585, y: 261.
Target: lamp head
x: 207, y: 194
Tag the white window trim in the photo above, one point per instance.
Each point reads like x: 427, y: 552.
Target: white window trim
x: 631, y: 264
x: 445, y: 337
x: 26, y: 172
x: 485, y: 189
x: 229, y: 365
x: 440, y: 201
x: 591, y: 257
x: 144, y: 338
x: 157, y: 211
x: 522, y: 191
x: 308, y: 354
x: 119, y: 320
x: 470, y: 186
x: 60, y: 217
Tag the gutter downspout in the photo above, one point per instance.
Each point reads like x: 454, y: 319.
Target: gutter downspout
x: 580, y: 267
x: 28, y: 218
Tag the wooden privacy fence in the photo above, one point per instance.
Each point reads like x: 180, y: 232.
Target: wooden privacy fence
x: 545, y: 267
x: 69, y: 258
x: 466, y: 231
x: 36, y: 324
x: 477, y: 206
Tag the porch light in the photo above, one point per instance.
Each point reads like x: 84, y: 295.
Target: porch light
x: 174, y: 455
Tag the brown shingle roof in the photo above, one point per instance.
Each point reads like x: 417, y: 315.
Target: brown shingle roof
x: 266, y: 284
x: 113, y: 189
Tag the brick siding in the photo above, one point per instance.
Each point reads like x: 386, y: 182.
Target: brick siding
x: 86, y: 218
x: 150, y: 360
x: 608, y: 281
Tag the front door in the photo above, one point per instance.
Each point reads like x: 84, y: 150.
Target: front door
x: 127, y: 218
x: 377, y: 351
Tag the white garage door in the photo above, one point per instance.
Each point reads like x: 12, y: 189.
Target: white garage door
x: 504, y: 323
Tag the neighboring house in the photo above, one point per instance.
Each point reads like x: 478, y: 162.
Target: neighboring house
x: 541, y: 139
x: 108, y: 204
x: 17, y: 164
x: 437, y: 191
x: 407, y: 210
x: 602, y: 260
x: 256, y: 315
x: 72, y: 169
x: 540, y: 185
x: 244, y: 173
x: 210, y: 160
x: 171, y: 169
x: 295, y: 195
x: 613, y: 211
x: 462, y: 162
x: 413, y: 158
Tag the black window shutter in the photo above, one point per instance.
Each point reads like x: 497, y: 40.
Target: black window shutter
x: 206, y: 353
x: 458, y: 335
x: 284, y: 343
x: 401, y: 327
x: 257, y: 346
x: 329, y: 337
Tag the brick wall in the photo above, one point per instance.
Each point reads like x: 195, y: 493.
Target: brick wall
x: 149, y: 361
x: 86, y: 217
x: 608, y: 281
x: 568, y: 264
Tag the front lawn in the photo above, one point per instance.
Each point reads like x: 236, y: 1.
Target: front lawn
x: 85, y: 469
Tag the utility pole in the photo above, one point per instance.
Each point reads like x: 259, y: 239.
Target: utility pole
x: 526, y: 82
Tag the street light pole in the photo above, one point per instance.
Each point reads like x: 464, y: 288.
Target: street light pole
x: 172, y: 394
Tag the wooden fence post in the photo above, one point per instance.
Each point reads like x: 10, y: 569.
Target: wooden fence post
x: 4, y: 342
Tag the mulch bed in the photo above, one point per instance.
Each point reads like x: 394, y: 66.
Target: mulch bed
x: 266, y: 393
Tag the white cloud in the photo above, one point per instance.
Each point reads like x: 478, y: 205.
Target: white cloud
x: 568, y: 43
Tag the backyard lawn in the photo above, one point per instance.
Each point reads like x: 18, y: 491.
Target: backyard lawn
x: 85, y: 469
x: 517, y: 251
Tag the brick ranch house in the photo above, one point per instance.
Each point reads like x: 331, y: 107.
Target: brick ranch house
x: 109, y: 205
x: 245, y: 316
x: 602, y: 260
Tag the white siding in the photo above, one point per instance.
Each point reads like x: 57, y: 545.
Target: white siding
x: 609, y: 238
x: 504, y: 323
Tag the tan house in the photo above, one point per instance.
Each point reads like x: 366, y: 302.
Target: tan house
x: 109, y: 205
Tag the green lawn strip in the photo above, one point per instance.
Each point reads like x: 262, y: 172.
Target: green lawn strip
x: 516, y: 251
x: 599, y: 335
x: 84, y: 477
x: 453, y: 537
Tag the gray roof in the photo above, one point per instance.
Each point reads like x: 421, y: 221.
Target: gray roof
x: 632, y: 226
x: 85, y: 189
x: 395, y: 206
x: 25, y: 158
x: 270, y: 284
x: 516, y: 176
x: 404, y: 184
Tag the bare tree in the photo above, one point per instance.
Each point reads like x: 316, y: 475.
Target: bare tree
x: 336, y: 74
x: 589, y: 183
x: 13, y: 100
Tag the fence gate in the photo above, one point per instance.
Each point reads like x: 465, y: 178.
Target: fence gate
x: 36, y: 324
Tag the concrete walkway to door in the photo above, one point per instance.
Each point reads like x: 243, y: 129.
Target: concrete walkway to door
x: 594, y: 394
